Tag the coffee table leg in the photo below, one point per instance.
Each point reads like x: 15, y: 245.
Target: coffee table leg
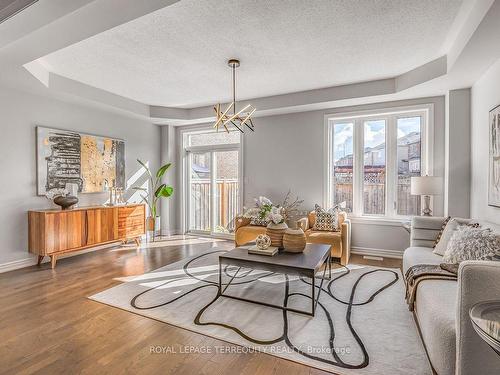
x: 330, y: 267
x: 220, y: 279
x: 313, y: 291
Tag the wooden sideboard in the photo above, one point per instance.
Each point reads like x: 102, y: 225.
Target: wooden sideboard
x: 55, y: 232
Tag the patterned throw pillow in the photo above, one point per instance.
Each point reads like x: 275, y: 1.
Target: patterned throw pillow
x: 255, y: 220
x: 469, y: 243
x: 440, y: 234
x: 326, y: 220
x: 448, y: 231
x: 493, y: 255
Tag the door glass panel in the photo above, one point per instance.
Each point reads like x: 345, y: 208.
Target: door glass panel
x: 409, y: 164
x: 199, y: 192
x: 227, y: 190
x: 374, y: 171
x: 343, y: 164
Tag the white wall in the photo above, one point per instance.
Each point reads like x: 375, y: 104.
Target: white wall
x: 484, y: 97
x: 287, y: 152
x: 19, y: 114
x: 458, y: 154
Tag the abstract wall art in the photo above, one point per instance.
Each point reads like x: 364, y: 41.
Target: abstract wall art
x: 494, y: 158
x: 92, y: 162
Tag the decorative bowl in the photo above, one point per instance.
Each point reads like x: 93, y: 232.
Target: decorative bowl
x: 65, y: 202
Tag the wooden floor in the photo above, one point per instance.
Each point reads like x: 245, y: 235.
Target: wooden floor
x: 48, y: 326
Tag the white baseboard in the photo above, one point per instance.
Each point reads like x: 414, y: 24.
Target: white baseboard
x: 377, y: 252
x: 16, y: 264
x: 32, y: 260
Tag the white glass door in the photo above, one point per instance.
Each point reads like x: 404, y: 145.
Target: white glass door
x: 199, y: 192
x: 213, y: 191
x: 227, y: 192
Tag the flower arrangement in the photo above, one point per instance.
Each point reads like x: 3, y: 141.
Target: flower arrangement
x: 263, y: 207
x: 266, y: 210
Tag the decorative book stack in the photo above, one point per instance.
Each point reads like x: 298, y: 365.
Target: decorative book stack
x: 270, y: 251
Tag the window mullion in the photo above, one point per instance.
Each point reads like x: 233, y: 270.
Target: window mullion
x: 358, y: 167
x: 391, y: 167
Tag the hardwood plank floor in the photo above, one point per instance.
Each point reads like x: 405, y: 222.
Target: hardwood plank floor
x: 48, y: 326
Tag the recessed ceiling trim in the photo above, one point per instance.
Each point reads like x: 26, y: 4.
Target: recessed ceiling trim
x: 14, y: 8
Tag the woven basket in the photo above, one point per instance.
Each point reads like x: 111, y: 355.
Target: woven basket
x: 276, y: 232
x: 294, y: 240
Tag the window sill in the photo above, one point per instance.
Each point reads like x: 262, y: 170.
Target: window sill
x: 394, y: 222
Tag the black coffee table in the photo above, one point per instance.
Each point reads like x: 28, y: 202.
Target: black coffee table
x: 305, y: 264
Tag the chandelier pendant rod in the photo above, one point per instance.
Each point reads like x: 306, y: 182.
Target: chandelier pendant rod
x: 234, y: 88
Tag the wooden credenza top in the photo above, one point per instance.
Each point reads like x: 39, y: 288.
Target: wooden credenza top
x: 51, y: 210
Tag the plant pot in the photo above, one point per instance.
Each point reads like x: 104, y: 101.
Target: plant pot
x: 276, y: 232
x: 153, y: 226
x: 294, y: 240
x: 65, y: 202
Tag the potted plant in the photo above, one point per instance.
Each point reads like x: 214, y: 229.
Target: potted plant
x: 152, y: 195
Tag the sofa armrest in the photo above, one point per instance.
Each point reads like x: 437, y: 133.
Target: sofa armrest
x: 241, y: 221
x: 303, y: 223
x: 477, y: 281
x: 424, y: 230
x: 345, y: 233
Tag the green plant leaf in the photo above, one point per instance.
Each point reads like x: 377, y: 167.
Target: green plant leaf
x: 164, y: 191
x: 145, y: 167
x: 162, y: 170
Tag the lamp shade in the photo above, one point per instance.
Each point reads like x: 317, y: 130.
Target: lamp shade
x: 426, y: 185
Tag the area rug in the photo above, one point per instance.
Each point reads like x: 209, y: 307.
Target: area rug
x: 361, y: 326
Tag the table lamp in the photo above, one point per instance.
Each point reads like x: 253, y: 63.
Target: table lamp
x: 426, y: 186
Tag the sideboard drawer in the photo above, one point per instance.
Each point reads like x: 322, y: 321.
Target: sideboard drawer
x: 131, y: 221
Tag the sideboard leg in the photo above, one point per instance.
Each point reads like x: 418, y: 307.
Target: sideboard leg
x: 53, y: 260
x: 40, y: 258
x: 137, y: 241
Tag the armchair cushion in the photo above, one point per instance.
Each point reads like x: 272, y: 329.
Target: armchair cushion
x: 331, y: 238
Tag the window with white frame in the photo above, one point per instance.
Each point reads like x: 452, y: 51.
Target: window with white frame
x: 372, y: 157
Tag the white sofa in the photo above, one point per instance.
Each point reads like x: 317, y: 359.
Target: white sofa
x: 442, y: 306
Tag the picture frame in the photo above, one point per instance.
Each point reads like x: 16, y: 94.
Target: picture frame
x: 494, y: 157
x: 92, y: 162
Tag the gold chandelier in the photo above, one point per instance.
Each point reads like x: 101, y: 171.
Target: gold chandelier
x: 239, y: 119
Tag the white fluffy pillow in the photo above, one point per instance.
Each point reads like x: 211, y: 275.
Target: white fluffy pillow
x: 469, y: 243
x: 448, y: 231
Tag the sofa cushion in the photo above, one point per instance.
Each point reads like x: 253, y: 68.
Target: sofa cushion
x: 435, y: 311
x: 419, y: 255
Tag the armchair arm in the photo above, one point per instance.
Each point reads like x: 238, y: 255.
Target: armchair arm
x: 477, y: 281
x: 345, y: 233
x: 303, y: 223
x: 241, y: 221
x: 424, y: 230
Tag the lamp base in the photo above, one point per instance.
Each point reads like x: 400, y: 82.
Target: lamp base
x: 427, y: 203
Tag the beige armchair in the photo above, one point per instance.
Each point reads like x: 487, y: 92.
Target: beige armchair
x: 340, y: 241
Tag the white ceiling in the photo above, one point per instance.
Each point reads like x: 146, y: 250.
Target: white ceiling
x: 176, y: 56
